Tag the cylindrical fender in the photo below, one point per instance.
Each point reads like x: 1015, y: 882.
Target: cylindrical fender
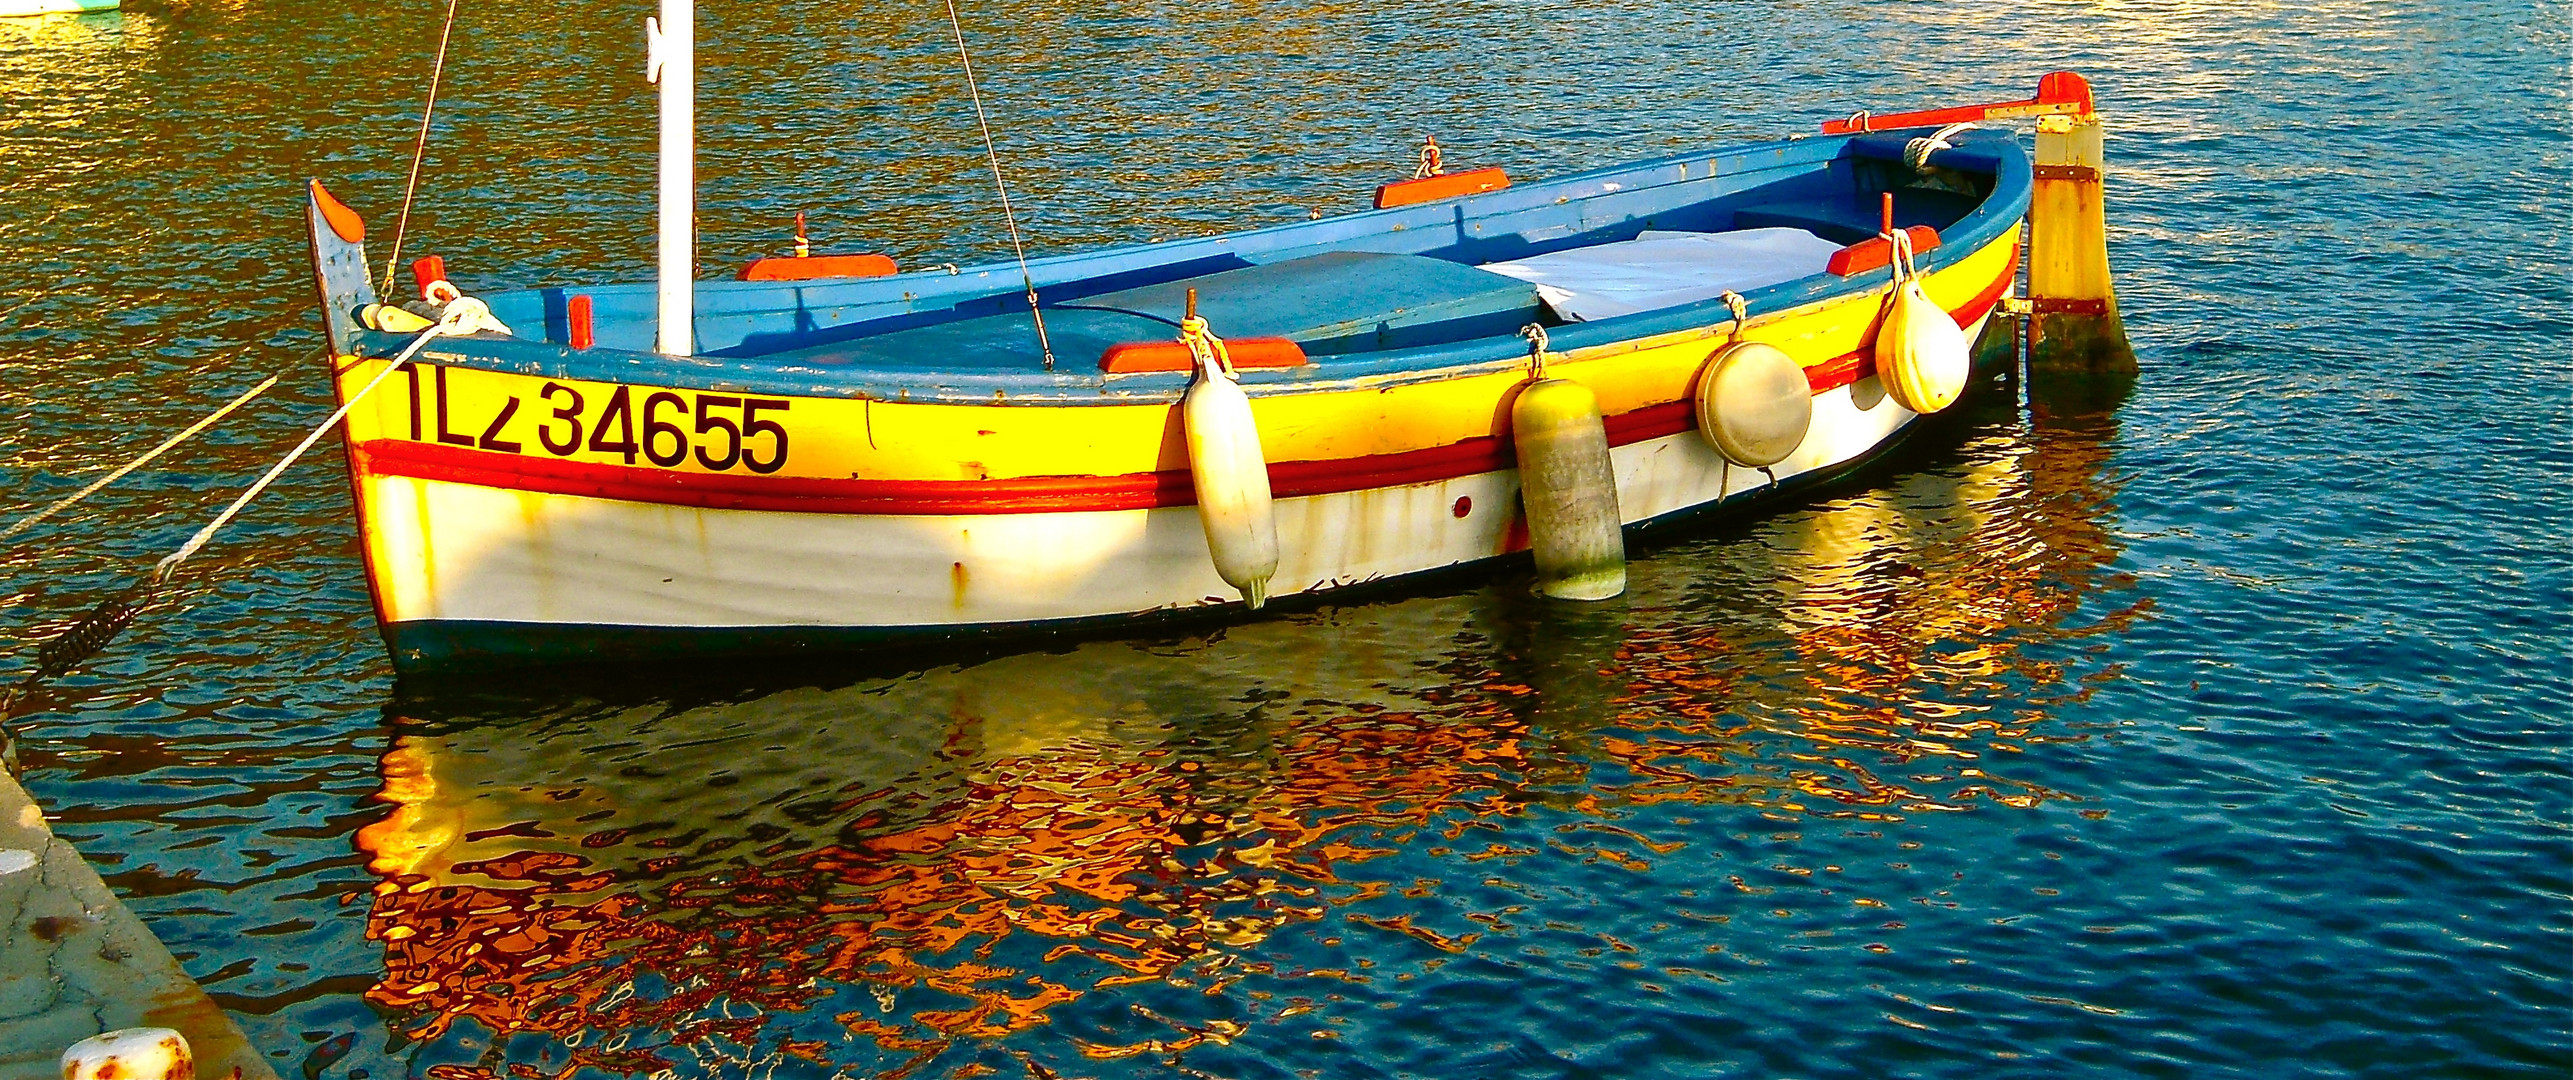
x: 1232, y: 480
x: 1569, y: 489
x: 1921, y: 356
x: 1754, y: 404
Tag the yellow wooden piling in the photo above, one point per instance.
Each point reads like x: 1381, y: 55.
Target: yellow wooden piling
x: 2073, y: 304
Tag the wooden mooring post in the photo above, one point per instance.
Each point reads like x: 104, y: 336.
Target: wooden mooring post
x: 2073, y: 324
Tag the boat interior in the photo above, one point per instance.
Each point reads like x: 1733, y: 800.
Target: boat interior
x: 1618, y: 251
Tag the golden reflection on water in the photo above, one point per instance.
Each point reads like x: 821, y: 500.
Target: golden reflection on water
x: 961, y: 852
x: 63, y: 79
x: 1134, y: 857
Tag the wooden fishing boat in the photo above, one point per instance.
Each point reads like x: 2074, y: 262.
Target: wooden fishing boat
x: 831, y: 461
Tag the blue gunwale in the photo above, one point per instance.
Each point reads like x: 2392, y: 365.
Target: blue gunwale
x: 1608, y: 203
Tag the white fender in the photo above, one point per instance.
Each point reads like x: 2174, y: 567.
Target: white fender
x: 1754, y: 404
x: 1232, y: 481
x: 1921, y: 355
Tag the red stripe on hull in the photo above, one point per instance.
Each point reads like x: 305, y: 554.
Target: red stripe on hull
x: 1031, y: 495
x: 797, y: 494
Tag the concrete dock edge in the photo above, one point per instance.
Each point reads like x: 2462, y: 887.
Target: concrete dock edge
x: 74, y: 962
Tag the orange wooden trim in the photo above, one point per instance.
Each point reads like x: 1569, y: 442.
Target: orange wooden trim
x: 1874, y: 253
x: 792, y: 268
x: 2065, y: 88
x: 576, y: 318
x: 2059, y: 93
x: 1445, y: 186
x: 1249, y: 352
x: 343, y: 221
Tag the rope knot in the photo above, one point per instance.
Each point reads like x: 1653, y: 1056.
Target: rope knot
x: 1537, y: 344
x: 1430, y: 164
x: 1205, y: 347
x: 1901, y: 256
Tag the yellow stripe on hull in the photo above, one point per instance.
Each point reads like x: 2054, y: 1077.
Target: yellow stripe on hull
x: 692, y: 432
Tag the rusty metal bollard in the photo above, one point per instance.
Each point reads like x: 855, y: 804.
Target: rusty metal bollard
x: 145, y: 1053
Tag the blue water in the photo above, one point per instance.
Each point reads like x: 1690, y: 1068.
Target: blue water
x: 2211, y: 726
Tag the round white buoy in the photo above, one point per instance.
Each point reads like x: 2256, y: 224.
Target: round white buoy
x: 1754, y: 404
x: 1232, y: 480
x: 1922, y: 357
x: 1569, y: 488
x: 146, y: 1053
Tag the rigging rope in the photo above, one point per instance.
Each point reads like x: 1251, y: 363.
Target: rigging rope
x: 65, y: 503
x: 420, y: 148
x: 994, y: 155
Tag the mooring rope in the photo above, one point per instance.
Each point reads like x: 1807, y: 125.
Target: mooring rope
x: 419, y: 149
x: 95, y: 630
x: 169, y: 564
x: 1007, y: 215
x: 65, y: 503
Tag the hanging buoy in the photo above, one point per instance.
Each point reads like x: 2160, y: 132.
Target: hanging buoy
x: 1225, y: 462
x: 1567, y: 484
x: 1921, y: 356
x: 1754, y: 404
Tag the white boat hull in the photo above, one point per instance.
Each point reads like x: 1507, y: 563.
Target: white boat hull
x: 463, y: 559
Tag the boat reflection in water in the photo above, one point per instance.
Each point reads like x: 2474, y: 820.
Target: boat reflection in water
x: 1145, y: 848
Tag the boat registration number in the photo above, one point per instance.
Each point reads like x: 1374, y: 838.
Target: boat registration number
x: 668, y: 428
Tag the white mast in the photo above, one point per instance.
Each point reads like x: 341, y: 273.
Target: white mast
x: 672, y: 44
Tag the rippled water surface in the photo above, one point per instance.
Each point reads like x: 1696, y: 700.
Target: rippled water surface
x: 2212, y: 726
